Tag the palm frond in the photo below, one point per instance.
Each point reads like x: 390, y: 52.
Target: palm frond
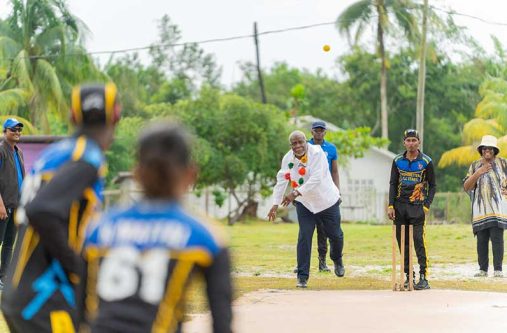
x: 476, y: 128
x: 21, y: 69
x: 49, y: 87
x: 52, y: 39
x: 11, y: 100
x: 352, y: 15
x: 464, y: 155
x: 490, y: 108
x: 8, y: 49
x: 405, y: 19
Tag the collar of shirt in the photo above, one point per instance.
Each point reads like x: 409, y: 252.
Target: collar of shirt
x: 419, y: 156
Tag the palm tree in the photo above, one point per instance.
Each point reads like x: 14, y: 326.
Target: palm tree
x: 36, y: 41
x: 363, y: 13
x: 491, y: 113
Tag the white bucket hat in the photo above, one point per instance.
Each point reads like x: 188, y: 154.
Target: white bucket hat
x: 489, y: 141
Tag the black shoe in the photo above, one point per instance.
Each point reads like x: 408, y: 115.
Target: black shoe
x: 323, y: 266
x: 405, y: 285
x: 339, y: 270
x: 302, y: 283
x: 422, y: 284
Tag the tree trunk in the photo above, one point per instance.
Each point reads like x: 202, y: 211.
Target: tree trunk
x: 383, y: 70
x: 422, y: 78
x: 250, y: 210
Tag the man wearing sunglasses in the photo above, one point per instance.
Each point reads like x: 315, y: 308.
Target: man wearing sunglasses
x: 411, y: 191
x: 12, y: 172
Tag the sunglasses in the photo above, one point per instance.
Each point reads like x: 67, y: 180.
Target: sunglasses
x: 15, y: 129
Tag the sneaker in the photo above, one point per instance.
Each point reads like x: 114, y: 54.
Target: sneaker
x: 405, y: 285
x: 481, y: 273
x: 339, y: 270
x: 302, y: 283
x: 295, y: 271
x: 498, y: 274
x: 1, y: 285
x: 323, y: 266
x: 422, y: 284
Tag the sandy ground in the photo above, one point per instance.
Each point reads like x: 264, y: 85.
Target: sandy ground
x: 364, y: 311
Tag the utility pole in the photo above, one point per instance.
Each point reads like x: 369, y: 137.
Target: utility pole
x: 259, y: 73
x: 422, y: 77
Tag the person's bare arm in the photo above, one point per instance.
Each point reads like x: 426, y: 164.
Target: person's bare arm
x: 335, y: 174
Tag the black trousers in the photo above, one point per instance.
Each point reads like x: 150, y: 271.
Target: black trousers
x: 7, y: 238
x: 321, y: 240
x: 409, y: 214
x: 330, y: 219
x: 483, y: 237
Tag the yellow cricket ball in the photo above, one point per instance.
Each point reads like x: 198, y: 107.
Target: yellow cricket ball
x: 326, y: 48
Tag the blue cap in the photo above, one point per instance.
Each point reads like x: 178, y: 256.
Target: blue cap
x: 11, y: 123
x: 317, y: 124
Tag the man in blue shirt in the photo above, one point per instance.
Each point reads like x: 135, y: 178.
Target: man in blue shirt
x: 11, y: 176
x: 318, y: 133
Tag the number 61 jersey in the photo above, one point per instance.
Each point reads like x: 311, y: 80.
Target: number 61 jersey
x: 140, y: 262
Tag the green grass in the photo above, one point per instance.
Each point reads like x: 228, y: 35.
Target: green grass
x: 266, y: 247
x: 264, y: 255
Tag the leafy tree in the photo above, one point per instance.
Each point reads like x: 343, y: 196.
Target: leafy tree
x: 35, y: 41
x: 120, y: 156
x: 385, y: 13
x: 188, y: 63
x: 491, y: 119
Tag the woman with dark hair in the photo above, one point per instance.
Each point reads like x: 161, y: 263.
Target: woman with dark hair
x: 141, y: 259
x: 486, y: 183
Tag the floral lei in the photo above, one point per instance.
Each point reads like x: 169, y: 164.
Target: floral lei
x: 301, y: 172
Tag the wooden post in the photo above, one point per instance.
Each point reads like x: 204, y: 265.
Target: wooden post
x: 259, y: 72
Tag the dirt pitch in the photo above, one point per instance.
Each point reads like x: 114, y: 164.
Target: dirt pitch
x: 364, y: 311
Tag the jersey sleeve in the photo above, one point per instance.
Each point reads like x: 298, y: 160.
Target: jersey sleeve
x: 48, y: 211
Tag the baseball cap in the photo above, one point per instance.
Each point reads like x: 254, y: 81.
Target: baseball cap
x: 319, y: 123
x: 11, y: 123
x: 410, y: 133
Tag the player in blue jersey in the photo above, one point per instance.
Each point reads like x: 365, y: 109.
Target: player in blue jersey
x: 411, y: 192
x: 59, y: 195
x: 319, y: 130
x: 142, y: 258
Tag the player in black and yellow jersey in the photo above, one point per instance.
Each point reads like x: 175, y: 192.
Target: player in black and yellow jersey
x: 142, y: 258
x: 411, y: 192
x: 60, y: 194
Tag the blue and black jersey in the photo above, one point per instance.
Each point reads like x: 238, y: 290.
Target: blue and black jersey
x: 412, y: 181
x: 140, y: 263
x: 59, y: 196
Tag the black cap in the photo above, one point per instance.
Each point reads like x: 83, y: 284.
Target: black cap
x: 94, y: 104
x: 410, y: 133
x: 319, y: 123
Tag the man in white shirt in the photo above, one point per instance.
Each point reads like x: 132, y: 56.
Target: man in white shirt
x: 305, y: 168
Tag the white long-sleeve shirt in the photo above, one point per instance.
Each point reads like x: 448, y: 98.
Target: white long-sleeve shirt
x: 318, y: 191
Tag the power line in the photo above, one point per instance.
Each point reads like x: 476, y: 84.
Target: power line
x: 199, y: 42
x: 452, y: 12
x: 248, y: 36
